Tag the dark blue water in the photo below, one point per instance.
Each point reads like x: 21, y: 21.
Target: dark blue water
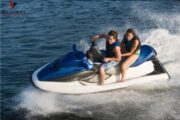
x: 47, y: 29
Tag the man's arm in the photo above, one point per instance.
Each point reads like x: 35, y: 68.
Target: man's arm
x: 99, y: 36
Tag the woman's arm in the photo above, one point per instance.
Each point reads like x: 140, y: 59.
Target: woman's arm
x: 99, y: 36
x: 117, y: 51
x: 134, y: 46
x: 122, y: 44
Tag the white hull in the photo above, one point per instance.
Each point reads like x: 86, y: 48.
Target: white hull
x: 135, y: 76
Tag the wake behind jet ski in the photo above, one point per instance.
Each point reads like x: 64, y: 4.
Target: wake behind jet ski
x: 77, y: 73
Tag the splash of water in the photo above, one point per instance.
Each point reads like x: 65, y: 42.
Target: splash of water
x: 135, y: 99
x: 42, y: 103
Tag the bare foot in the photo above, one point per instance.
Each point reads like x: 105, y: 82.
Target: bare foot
x: 100, y: 83
x: 120, y: 81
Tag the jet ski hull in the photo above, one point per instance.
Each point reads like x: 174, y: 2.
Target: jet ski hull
x: 149, y: 71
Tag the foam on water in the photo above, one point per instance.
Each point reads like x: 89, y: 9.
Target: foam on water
x: 153, y: 101
x: 166, y: 44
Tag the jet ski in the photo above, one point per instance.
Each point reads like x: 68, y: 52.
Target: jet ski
x: 77, y: 72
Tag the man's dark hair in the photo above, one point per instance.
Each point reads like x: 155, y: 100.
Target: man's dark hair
x: 130, y: 30
x: 113, y: 33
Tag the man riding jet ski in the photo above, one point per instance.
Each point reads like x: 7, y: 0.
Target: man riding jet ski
x: 112, y: 55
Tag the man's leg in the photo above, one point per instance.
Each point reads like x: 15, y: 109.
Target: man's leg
x: 102, y: 75
x: 103, y: 68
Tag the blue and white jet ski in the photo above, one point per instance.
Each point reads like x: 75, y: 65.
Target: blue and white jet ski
x: 77, y: 73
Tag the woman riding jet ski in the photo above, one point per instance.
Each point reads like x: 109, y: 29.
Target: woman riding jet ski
x: 78, y: 73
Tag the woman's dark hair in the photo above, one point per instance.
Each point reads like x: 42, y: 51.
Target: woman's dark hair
x: 113, y: 33
x: 130, y: 30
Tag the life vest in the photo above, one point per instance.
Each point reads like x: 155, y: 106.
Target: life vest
x: 129, y: 43
x: 110, y: 48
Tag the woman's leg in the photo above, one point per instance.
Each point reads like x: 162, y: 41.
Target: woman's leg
x: 126, y: 64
